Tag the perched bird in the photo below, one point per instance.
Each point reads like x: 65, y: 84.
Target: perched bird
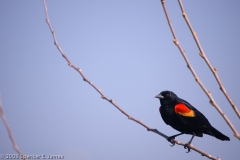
x: 186, y: 119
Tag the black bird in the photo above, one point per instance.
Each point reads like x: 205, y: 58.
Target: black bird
x: 183, y: 117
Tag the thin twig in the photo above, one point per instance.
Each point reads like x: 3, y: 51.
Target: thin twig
x: 111, y: 100
x: 208, y: 93
x: 15, y: 146
x: 203, y: 55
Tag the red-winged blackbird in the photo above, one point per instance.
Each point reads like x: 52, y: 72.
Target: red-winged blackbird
x: 182, y: 116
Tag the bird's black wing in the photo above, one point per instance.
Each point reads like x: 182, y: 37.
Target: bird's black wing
x: 191, y: 117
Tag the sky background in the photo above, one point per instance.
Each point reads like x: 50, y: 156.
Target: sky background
x: 126, y: 49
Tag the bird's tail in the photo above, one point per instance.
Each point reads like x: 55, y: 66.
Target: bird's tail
x: 219, y: 135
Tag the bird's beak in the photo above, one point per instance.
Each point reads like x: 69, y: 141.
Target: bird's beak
x: 159, y: 96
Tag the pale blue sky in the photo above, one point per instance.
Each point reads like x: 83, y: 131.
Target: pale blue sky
x: 126, y: 49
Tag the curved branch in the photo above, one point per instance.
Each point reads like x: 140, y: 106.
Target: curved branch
x: 203, y: 55
x: 208, y: 93
x: 15, y: 146
x: 111, y: 100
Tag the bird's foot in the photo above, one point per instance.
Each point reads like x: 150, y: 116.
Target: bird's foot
x: 170, y: 139
x: 186, y: 146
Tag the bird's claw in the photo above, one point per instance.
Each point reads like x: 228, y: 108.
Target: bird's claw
x: 173, y: 143
x: 186, y: 146
x: 170, y: 139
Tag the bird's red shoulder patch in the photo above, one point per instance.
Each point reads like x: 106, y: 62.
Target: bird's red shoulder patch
x: 183, y: 110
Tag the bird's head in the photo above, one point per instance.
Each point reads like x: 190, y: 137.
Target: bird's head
x: 166, y: 97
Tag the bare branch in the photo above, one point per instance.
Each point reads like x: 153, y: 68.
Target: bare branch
x: 111, y: 100
x: 208, y: 93
x: 15, y: 146
x: 203, y: 55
